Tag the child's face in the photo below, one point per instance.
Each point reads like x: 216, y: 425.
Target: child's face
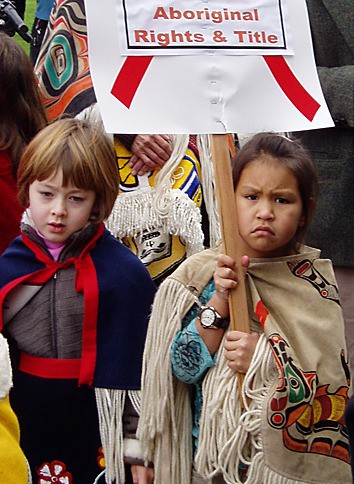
x: 269, y: 207
x: 58, y: 211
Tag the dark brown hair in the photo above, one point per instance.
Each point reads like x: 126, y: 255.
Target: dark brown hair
x: 85, y: 154
x: 291, y: 154
x: 21, y: 112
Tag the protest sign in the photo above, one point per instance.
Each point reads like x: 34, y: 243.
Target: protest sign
x: 212, y: 67
x: 204, y: 67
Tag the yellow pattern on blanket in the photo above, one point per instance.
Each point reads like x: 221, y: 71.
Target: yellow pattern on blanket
x: 158, y: 215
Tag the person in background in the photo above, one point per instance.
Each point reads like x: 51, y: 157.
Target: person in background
x: 21, y: 117
x: 149, y: 151
x: 286, y: 423
x: 68, y: 300
x: 332, y: 149
x: 39, y: 27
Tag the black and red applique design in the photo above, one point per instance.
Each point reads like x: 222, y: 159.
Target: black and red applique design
x: 304, y: 269
x: 311, y: 417
x: 54, y: 472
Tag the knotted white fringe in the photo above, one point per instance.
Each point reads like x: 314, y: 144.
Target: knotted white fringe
x: 229, y: 435
x: 166, y: 420
x: 110, y: 407
x: 167, y: 209
x: 135, y: 212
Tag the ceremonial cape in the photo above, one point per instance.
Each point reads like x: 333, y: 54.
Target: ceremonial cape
x: 291, y: 429
x: 118, y: 293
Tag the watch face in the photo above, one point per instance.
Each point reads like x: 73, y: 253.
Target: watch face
x: 207, y: 317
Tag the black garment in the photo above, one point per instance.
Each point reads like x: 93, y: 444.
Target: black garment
x: 38, y: 30
x: 349, y: 420
x: 35, y: 416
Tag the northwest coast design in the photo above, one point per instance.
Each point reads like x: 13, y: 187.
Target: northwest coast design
x: 310, y: 416
x: 304, y: 269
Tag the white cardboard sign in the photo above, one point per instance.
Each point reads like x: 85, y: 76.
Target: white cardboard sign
x: 209, y: 92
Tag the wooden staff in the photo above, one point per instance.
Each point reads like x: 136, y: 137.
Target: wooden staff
x: 239, y: 319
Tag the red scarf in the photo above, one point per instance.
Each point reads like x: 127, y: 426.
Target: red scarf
x: 85, y: 282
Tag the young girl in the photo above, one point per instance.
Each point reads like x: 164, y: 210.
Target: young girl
x: 75, y: 303
x: 287, y: 425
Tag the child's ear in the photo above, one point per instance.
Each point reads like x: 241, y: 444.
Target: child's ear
x: 95, y: 212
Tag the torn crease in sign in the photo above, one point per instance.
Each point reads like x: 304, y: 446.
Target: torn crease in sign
x: 133, y: 71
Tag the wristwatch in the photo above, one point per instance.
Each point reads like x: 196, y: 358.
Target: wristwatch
x: 211, y: 319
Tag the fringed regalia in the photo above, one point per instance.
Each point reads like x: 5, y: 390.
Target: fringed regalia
x: 158, y: 215
x: 291, y: 429
x: 71, y: 409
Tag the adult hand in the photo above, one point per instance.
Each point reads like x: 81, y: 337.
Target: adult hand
x: 239, y: 349
x: 142, y: 475
x: 150, y: 151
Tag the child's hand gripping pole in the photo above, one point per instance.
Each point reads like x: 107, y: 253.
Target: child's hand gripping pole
x: 239, y: 319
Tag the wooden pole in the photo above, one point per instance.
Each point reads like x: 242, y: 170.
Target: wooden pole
x: 229, y: 227
x: 239, y: 319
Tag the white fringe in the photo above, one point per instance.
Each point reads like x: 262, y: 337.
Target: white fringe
x: 166, y: 419
x: 165, y: 178
x: 172, y: 211
x: 135, y: 398
x: 271, y: 477
x: 208, y: 188
x: 167, y: 209
x: 110, y: 406
x: 229, y: 435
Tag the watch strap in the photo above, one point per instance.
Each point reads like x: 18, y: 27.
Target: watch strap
x: 219, y: 323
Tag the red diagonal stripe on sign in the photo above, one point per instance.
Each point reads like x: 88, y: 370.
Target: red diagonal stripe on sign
x: 291, y: 87
x: 134, y: 68
x: 129, y: 78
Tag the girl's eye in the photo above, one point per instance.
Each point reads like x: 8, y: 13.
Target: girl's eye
x: 281, y: 200
x: 76, y: 199
x: 251, y: 197
x: 46, y: 194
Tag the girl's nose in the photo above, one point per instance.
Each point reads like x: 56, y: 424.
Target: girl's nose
x: 59, y: 208
x: 265, y: 211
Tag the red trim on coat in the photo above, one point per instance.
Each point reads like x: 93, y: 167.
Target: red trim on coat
x: 85, y: 282
x: 49, y: 367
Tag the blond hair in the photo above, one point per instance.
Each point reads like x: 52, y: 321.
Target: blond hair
x: 82, y: 151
